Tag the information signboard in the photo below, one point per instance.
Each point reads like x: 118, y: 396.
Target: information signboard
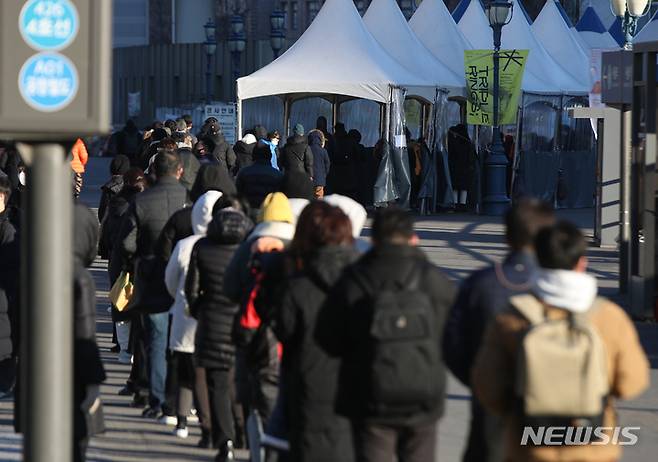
x: 226, y: 116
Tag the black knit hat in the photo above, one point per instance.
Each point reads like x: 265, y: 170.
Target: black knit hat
x: 212, y: 177
x: 229, y: 226
x: 119, y: 165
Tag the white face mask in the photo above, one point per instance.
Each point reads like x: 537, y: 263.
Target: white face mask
x: 21, y: 178
x: 275, y: 141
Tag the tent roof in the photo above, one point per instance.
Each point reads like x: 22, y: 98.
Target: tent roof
x: 649, y: 33
x: 387, y: 24
x: 448, y: 46
x: 593, y: 32
x: 517, y: 35
x: 358, y: 66
x: 552, y: 30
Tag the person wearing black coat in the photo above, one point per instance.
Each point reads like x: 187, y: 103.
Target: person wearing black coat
x: 215, y: 312
x: 297, y: 154
x: 141, y: 227
x: 345, y: 329
x: 9, y: 289
x: 481, y: 297
x: 119, y: 165
x: 323, y: 248
x: 221, y: 150
x: 88, y: 371
x: 321, y: 161
x: 244, y: 151
x: 260, y: 179
x: 128, y: 141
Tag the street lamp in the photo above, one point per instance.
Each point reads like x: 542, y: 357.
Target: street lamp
x: 499, y: 13
x: 209, y: 47
x: 629, y: 11
x: 277, y: 31
x: 236, y: 44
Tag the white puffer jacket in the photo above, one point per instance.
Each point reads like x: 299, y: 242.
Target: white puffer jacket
x: 183, y: 327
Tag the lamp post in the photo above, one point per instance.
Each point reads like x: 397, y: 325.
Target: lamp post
x: 277, y: 31
x: 629, y: 11
x: 236, y: 45
x: 209, y: 47
x: 499, y: 13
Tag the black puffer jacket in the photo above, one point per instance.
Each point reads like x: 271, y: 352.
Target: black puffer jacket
x: 191, y: 167
x: 108, y: 191
x: 317, y: 433
x: 222, y: 151
x: 110, y: 231
x: 257, y: 181
x: 345, y: 320
x: 244, y: 153
x: 9, y: 277
x: 297, y: 155
x: 204, y: 289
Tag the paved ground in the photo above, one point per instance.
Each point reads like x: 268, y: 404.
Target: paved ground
x: 457, y: 243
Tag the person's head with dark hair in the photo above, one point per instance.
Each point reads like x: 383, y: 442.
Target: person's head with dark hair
x: 320, y: 225
x: 181, y: 125
x: 231, y: 201
x: 130, y: 126
x: 561, y: 246
x: 210, y: 120
x: 274, y: 135
x: 260, y: 132
x: 119, y: 165
x: 156, y: 125
x: 262, y: 153
x: 321, y: 124
x: 212, y: 177
x: 188, y: 120
x: 134, y: 180
x: 339, y: 129
x: 392, y: 225
x: 158, y: 134
x: 355, y: 135
x: 297, y: 185
x: 167, y: 163
x: 248, y: 131
x: 524, y: 220
x: 170, y: 124
x: 167, y: 144
x: 5, y: 191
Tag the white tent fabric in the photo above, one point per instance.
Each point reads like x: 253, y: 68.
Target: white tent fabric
x: 437, y: 30
x: 551, y: 29
x: 649, y: 32
x: 475, y: 27
x: 388, y: 25
x: 358, y: 67
x: 593, y: 32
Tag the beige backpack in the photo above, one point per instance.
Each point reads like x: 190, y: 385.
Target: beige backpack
x: 561, y: 369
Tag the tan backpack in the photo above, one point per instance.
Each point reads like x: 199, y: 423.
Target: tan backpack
x: 561, y: 369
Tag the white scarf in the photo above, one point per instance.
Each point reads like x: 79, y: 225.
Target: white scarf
x: 569, y: 290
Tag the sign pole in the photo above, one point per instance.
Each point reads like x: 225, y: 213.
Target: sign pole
x: 47, y: 314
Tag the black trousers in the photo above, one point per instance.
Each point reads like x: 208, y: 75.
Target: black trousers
x: 381, y: 443
x: 219, y: 391
x: 139, y: 376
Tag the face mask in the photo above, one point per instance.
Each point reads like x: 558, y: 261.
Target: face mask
x: 275, y: 141
x: 21, y: 178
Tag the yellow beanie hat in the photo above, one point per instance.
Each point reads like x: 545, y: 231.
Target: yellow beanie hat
x: 276, y: 208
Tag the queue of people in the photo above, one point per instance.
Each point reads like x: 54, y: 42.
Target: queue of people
x: 257, y: 305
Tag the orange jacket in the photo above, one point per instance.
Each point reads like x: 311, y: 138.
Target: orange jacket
x: 80, y: 156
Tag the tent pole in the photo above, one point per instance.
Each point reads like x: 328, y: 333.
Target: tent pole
x: 387, y: 122
x: 334, y: 110
x: 238, y: 110
x: 286, y: 116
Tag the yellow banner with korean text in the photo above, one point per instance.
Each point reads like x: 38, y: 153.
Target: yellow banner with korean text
x: 480, y: 82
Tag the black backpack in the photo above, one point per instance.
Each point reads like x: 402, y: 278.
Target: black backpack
x: 403, y: 349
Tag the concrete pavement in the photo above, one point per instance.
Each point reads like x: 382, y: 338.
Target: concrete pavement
x: 456, y: 243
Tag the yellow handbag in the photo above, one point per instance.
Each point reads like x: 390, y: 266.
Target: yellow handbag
x: 122, y: 291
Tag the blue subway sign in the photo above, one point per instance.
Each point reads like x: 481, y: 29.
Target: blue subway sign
x: 48, y: 82
x: 48, y: 25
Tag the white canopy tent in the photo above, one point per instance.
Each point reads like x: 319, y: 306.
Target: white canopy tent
x: 551, y: 29
x: 649, y: 32
x: 593, y: 32
x: 388, y: 25
x: 437, y: 30
x: 360, y: 67
x: 473, y: 23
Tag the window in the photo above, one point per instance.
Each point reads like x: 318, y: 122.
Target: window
x: 294, y: 6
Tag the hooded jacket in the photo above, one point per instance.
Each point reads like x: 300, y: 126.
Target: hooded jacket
x: 259, y: 179
x: 223, y: 151
x: 183, y: 326
x: 561, y: 293
x: 191, y: 167
x: 244, y: 154
x: 321, y: 162
x: 204, y: 289
x: 317, y: 433
x: 108, y: 191
x: 297, y: 155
